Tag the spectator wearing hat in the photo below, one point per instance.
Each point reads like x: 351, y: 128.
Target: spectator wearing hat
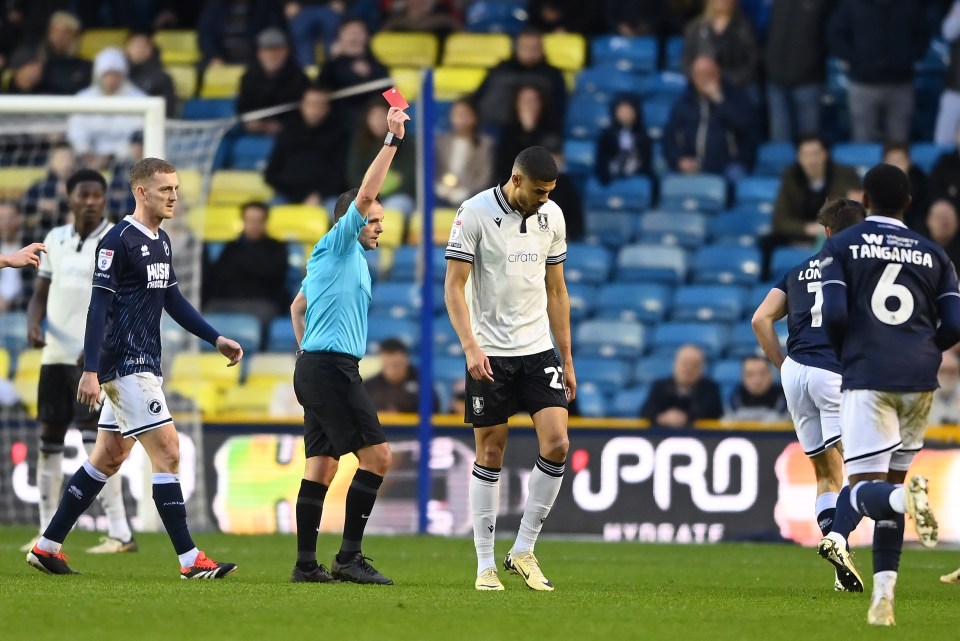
x: 146, y: 70
x: 273, y: 79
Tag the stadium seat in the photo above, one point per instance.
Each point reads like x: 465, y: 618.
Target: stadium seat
x: 743, y: 342
x: 707, y: 303
x: 251, y: 398
x: 656, y: 113
x: 605, y: 83
x: 645, y: 302
x: 727, y: 371
x: 699, y: 192
x: 862, y: 155
x: 665, y: 85
x: 686, y: 229
x: 587, y: 263
x: 609, y: 374
x: 405, y: 49
x: 579, y: 156
x: 449, y: 369
x: 443, y: 218
x: 93, y: 41
x: 177, y: 46
x: 216, y: 224
x: 773, y: 158
x: 630, y: 194
x: 609, y: 339
x: 739, y: 227
x: 667, y: 337
x: 234, y: 187
x: 756, y: 296
x: 612, y: 228
x: 925, y: 154
x: 184, y: 80
x: 627, y: 403
x: 404, y: 267
x: 28, y: 365
x: 222, y: 81
x: 243, y: 328
x: 726, y: 265
x: 15, y: 181
x: 652, y: 263
x: 784, y: 258
x: 209, y: 109
x: 270, y: 367
x: 251, y: 152
x: 280, y: 336
x: 451, y: 83
x: 586, y: 117
x: 476, y: 49
x: 381, y: 328
x: 445, y: 340
x: 191, y: 369
x: 407, y: 80
x: 497, y: 16
x: 757, y: 191
x: 5, y: 364
x: 396, y: 300
x: 673, y: 54
x: 636, y: 55
x: 206, y: 395
x: 13, y: 331
x: 565, y: 51
x: 298, y: 223
x: 582, y: 300
x: 591, y: 402
x: 649, y: 369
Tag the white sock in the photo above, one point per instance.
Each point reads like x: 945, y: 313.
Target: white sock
x: 543, y: 488
x: 50, y: 484
x: 826, y: 501
x: 187, y: 558
x: 898, y: 501
x: 884, y: 584
x: 47, y: 545
x: 111, y: 498
x: 484, y: 506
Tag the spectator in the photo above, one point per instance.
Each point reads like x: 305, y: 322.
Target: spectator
x: 226, y: 29
x: 637, y: 18
x: 45, y: 202
x: 623, y: 148
x: 898, y: 155
x: 250, y: 274
x: 723, y: 34
x: 796, y: 61
x: 146, y: 70
x: 757, y: 397
x: 307, y: 161
x: 397, y: 387
x: 685, y: 397
x: 64, y: 72
x: 273, y: 79
x: 527, y: 67
x: 27, y: 78
x: 352, y: 63
x: 422, y: 15
x: 464, y: 157
x: 311, y: 21
x: 945, y: 176
x: 942, y: 226
x: 531, y: 124
x: 102, y: 138
x: 568, y: 16
x: 948, y: 118
x: 11, y: 240
x: 400, y: 187
x: 712, y: 126
x: 568, y: 198
x: 945, y: 409
x: 879, y: 40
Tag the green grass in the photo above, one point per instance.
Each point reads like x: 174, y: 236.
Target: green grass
x: 604, y: 591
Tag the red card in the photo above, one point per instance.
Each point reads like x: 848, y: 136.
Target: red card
x: 395, y: 99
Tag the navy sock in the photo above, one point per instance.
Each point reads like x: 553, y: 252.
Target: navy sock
x: 888, y: 544
x: 360, y: 499
x: 873, y: 499
x: 825, y: 520
x: 82, y: 489
x: 846, y: 520
x: 309, y: 511
x: 168, y: 498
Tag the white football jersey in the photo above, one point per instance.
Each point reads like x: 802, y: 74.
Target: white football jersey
x: 68, y: 265
x: 509, y: 253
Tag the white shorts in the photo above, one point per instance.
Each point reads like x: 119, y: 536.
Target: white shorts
x: 882, y: 430
x: 134, y: 404
x: 813, y: 398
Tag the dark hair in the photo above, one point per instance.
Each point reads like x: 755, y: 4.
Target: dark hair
x: 140, y: 31
x: 351, y: 20
x: 258, y: 204
x: 530, y: 31
x: 811, y: 136
x: 536, y: 163
x: 145, y: 169
x: 840, y: 213
x: 887, y: 189
x: 343, y: 203
x: 63, y: 144
x: 86, y: 176
x: 393, y: 346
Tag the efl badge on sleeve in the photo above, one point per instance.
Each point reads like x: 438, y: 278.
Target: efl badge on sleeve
x: 542, y: 221
x: 104, y: 259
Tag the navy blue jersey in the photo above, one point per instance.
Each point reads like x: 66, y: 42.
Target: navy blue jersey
x: 136, y: 265
x: 893, y: 278
x: 807, y: 343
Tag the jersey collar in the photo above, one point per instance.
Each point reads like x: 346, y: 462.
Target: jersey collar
x: 93, y: 233
x: 501, y: 199
x: 887, y: 220
x: 146, y: 232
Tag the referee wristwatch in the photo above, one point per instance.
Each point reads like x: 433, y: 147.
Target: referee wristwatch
x: 392, y: 140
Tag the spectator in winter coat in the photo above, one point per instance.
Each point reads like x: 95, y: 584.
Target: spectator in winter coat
x: 352, y: 63
x: 723, y: 34
x: 274, y: 79
x: 146, y: 70
x: 623, y: 148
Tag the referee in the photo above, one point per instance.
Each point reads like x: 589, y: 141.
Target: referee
x: 330, y: 321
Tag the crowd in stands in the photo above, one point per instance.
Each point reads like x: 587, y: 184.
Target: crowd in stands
x: 802, y: 95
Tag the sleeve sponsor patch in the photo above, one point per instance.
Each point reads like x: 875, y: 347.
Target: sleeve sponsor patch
x: 104, y: 259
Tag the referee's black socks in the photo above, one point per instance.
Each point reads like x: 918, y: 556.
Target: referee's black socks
x: 309, y: 511
x: 360, y: 499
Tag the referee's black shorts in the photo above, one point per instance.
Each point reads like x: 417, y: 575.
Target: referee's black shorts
x: 57, y: 397
x: 529, y: 383
x: 339, y: 416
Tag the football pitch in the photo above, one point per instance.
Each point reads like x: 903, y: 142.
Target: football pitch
x: 604, y: 591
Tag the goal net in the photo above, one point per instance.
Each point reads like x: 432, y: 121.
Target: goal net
x: 33, y: 134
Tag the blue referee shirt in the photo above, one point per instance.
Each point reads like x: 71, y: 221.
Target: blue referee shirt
x: 337, y: 288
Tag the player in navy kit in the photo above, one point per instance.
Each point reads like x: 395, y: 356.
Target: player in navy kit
x: 810, y: 375
x: 890, y: 307
x: 133, y: 283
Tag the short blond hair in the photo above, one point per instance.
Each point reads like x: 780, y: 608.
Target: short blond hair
x: 145, y: 169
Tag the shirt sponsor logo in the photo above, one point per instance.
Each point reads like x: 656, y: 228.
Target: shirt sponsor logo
x: 522, y: 256
x: 158, y: 274
x: 104, y: 259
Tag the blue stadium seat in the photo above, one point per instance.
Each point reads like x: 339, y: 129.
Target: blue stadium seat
x: 666, y: 86
x: 757, y: 190
x: 727, y: 371
x: 627, y: 403
x: 656, y: 113
x: 636, y: 55
x: 586, y: 116
x: 700, y: 192
x: 629, y: 194
x: 243, y: 328
x: 726, y: 265
x: 649, y: 369
x: 496, y: 17
x: 711, y: 337
x: 740, y: 227
x: 651, y: 263
x: 604, y: 83
x: 773, y: 158
x: 755, y: 298
x: 707, y: 303
x: 398, y: 300
x: 373, y: 262
x: 208, y: 109
x: 404, y: 266
x: 591, y: 402
x: 687, y: 229
x: 587, y: 263
x: 449, y: 369
x: 380, y: 328
x: 743, y: 342
x: 582, y: 300
x: 251, y: 152
x: 645, y: 302
x: 862, y: 155
x: 925, y: 154
x: 280, y: 336
x: 611, y: 228
x: 13, y: 331
x: 609, y: 339
x: 580, y: 156
x: 673, y: 54
x: 784, y: 258
x: 445, y: 339
x: 609, y: 374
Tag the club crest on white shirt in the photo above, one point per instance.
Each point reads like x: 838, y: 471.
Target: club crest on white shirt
x: 104, y: 259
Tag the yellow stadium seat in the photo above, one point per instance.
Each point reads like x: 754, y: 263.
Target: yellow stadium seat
x: 249, y: 398
x: 14, y: 181
x: 222, y: 81
x: 184, y: 80
x: 235, y: 187
x: 370, y: 366
x: 271, y: 368
x: 191, y: 184
x: 312, y: 71
x: 450, y: 83
x: 405, y: 49
x: 300, y: 223
x: 177, y: 46
x: 28, y: 365
x: 93, y: 41
x: 407, y: 81
x: 216, y: 223
x: 204, y: 367
x: 27, y: 389
x: 566, y: 51
x: 4, y: 363
x: 206, y: 395
x: 476, y: 49
x: 392, y: 235
x: 385, y: 262
x: 442, y: 222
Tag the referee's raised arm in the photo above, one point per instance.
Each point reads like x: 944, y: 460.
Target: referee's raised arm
x: 377, y: 172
